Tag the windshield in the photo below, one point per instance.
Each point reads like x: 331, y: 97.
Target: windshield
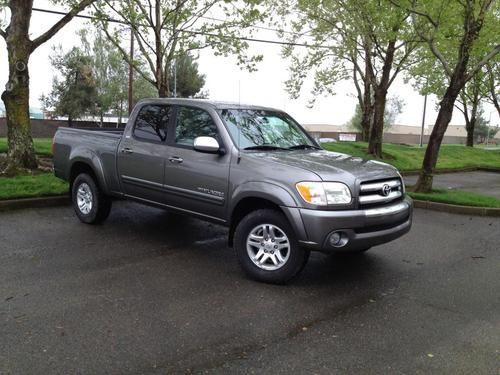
x: 261, y: 129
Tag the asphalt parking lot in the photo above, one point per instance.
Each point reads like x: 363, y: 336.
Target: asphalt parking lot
x: 476, y: 182
x: 152, y: 292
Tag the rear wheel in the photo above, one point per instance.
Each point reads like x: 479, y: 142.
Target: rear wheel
x: 90, y: 203
x: 267, y: 249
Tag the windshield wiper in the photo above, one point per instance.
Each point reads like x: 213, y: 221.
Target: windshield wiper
x: 303, y: 147
x: 264, y: 147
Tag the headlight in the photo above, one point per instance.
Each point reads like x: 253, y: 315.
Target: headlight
x: 324, y: 193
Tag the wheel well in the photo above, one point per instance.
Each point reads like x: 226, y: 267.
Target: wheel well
x: 78, y: 168
x: 243, y: 208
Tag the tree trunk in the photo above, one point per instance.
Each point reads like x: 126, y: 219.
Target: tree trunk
x: 367, y: 112
x: 120, y: 114
x: 70, y: 120
x: 21, y: 153
x: 377, y: 131
x: 163, y: 87
x: 469, y: 126
x: 162, y: 93
x: 424, y: 182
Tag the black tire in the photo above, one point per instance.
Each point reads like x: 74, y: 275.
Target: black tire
x: 295, y: 260
x: 361, y: 251
x: 100, y: 203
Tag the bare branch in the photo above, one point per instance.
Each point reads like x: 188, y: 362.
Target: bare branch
x: 144, y: 53
x: 492, y: 88
x: 60, y: 24
x: 127, y: 58
x: 358, y: 88
x: 179, y: 5
x: 483, y: 62
x: 412, y: 10
x: 133, y: 26
x: 146, y: 13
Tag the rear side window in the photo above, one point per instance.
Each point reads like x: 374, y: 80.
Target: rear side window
x: 192, y: 123
x: 151, y: 123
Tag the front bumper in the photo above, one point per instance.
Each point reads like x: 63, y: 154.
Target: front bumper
x: 361, y: 228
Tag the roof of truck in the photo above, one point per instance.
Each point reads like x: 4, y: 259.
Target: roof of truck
x: 205, y: 103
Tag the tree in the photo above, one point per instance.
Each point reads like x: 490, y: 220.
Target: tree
x: 493, y: 82
x: 109, y: 70
x: 394, y: 109
x: 368, y: 41
x: 76, y: 93
x: 166, y: 31
x: 469, y: 103
x: 20, y: 46
x: 111, y: 75
x: 461, y: 36
x: 189, y: 81
x: 483, y: 130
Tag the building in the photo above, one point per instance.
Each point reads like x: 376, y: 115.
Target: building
x: 455, y: 134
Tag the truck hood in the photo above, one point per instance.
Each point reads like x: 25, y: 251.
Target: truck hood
x: 331, y: 166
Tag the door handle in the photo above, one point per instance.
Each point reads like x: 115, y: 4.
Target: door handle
x: 175, y: 159
x: 127, y: 150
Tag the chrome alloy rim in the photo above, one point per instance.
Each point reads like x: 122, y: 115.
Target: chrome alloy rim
x: 84, y: 198
x: 268, y: 247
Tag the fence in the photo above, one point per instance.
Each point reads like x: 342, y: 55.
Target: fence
x: 47, y: 128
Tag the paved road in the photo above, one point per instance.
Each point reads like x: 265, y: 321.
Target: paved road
x: 476, y: 182
x: 150, y: 292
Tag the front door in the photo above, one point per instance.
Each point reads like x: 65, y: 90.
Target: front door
x: 142, y: 154
x: 196, y: 181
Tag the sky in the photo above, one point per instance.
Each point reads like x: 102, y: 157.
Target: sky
x: 227, y: 82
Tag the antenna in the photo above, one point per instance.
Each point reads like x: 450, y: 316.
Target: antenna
x: 238, y: 124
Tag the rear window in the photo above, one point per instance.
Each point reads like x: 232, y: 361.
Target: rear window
x: 151, y: 123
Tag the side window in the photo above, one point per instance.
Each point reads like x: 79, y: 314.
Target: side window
x: 192, y: 123
x: 151, y: 123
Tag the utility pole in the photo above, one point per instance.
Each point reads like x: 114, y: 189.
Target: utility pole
x: 423, y: 121
x: 175, y: 78
x: 131, y: 75
x: 488, y: 132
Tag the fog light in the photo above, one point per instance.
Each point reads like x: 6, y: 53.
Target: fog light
x: 338, y: 239
x: 335, y: 239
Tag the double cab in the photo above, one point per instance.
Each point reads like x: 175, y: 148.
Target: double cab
x: 253, y: 169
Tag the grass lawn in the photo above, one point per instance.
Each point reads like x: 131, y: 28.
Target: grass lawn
x: 39, y: 185
x: 43, y: 146
x: 458, y: 197
x: 409, y: 158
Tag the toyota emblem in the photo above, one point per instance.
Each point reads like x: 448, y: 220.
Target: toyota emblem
x: 386, y: 190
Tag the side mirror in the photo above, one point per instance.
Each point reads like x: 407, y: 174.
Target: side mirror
x: 206, y: 144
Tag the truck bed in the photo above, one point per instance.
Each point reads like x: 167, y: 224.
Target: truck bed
x: 101, y: 142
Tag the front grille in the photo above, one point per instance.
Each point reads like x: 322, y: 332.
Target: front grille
x: 380, y: 192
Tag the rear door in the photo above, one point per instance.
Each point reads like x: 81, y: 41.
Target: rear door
x: 196, y: 181
x: 142, y: 154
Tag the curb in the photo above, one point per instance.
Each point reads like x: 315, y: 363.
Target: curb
x: 53, y: 201
x: 456, y: 209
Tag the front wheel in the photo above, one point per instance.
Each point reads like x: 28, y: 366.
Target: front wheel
x: 267, y: 249
x: 90, y: 203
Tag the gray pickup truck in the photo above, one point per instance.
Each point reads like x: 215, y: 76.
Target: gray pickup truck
x: 253, y: 169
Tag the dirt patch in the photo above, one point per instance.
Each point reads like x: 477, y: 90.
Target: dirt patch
x: 45, y: 165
